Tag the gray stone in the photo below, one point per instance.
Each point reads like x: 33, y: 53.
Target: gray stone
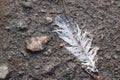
x: 3, y: 71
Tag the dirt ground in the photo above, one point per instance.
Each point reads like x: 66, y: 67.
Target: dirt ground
x: 23, y: 21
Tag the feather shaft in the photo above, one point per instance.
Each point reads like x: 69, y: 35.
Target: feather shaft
x: 80, y: 41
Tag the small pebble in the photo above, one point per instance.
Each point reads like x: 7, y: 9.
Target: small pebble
x: 48, y: 52
x: 27, y: 4
x: 21, y: 72
x: 101, y: 28
x: 107, y: 56
x: 35, y: 1
x: 43, y: 11
x: 49, y: 19
x: 3, y: 71
x: 7, y: 28
x: 115, y: 56
x: 62, y: 44
x: 21, y: 25
x: 37, y: 43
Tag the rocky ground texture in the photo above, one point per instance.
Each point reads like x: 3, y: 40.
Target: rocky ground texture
x: 24, y: 20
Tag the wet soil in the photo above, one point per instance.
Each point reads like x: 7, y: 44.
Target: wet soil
x: 21, y: 22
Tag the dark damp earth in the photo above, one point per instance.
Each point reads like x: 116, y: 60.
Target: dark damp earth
x: 23, y: 20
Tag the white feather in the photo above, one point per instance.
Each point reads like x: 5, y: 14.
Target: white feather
x: 79, y: 41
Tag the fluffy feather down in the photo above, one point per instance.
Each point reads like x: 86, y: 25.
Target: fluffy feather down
x: 79, y: 41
